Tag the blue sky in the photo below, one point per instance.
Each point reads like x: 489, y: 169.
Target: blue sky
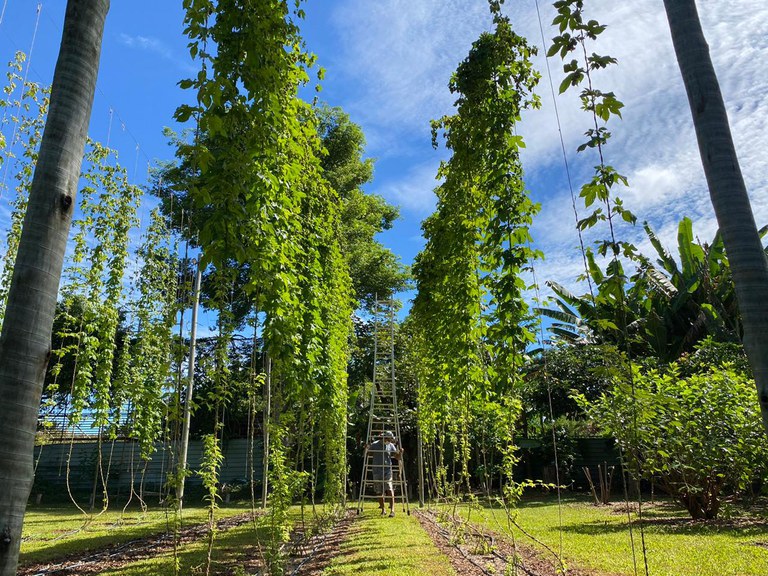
x: 388, y: 63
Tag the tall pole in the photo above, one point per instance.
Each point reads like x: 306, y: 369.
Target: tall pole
x: 421, y: 467
x: 265, y: 426
x: 25, y: 344
x: 184, y: 448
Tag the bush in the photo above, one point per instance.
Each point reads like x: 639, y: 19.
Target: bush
x: 698, y: 436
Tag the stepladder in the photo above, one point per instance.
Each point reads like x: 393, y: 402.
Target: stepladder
x: 383, y: 473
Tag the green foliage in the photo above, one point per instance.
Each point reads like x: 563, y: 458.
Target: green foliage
x: 555, y: 374
x: 286, y: 485
x: 374, y: 269
x: 209, y: 472
x: 269, y: 227
x: 710, y: 353
x: 31, y: 108
x: 698, y: 436
x: 469, y: 307
x: 666, y: 308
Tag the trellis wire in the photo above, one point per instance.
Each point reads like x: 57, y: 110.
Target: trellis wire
x: 587, y: 275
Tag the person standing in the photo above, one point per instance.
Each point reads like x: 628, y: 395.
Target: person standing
x: 383, y: 451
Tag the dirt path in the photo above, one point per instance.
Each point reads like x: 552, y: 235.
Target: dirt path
x: 320, y: 550
x: 487, y: 553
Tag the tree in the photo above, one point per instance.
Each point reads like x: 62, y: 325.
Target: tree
x: 374, y: 269
x: 25, y: 343
x: 726, y: 186
x: 556, y: 373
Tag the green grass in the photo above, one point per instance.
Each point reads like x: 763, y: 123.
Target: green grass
x: 231, y: 549
x: 597, y: 538
x: 385, y: 546
x: 51, y: 532
x: 593, y: 538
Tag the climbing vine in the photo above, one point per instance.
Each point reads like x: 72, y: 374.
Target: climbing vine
x: 259, y: 204
x: 33, y: 106
x: 470, y: 303
x: 599, y: 194
x: 95, y: 278
x: 154, y: 318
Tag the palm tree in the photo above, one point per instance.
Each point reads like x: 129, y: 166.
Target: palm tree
x: 596, y: 318
x: 25, y: 342
x: 726, y: 186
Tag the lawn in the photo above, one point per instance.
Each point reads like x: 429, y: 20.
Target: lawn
x: 597, y: 538
x: 52, y: 532
x: 593, y: 538
x: 383, y: 546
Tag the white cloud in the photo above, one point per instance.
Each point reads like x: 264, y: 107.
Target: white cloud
x: 415, y: 192
x: 399, y: 55
x: 145, y: 43
x: 157, y: 47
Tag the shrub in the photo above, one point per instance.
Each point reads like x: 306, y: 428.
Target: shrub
x: 698, y: 436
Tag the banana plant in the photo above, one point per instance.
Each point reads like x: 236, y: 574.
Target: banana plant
x: 690, y: 297
x: 670, y: 303
x: 599, y: 317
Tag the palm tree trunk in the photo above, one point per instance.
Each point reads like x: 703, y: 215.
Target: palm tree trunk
x: 25, y: 342
x: 726, y: 186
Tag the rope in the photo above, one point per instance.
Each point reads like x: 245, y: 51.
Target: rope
x: 109, y: 128
x: 551, y: 415
x: 136, y: 164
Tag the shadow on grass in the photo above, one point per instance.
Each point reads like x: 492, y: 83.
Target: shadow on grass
x: 550, y: 498
x: 675, y: 526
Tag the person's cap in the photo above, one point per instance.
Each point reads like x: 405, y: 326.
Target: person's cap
x: 388, y: 434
